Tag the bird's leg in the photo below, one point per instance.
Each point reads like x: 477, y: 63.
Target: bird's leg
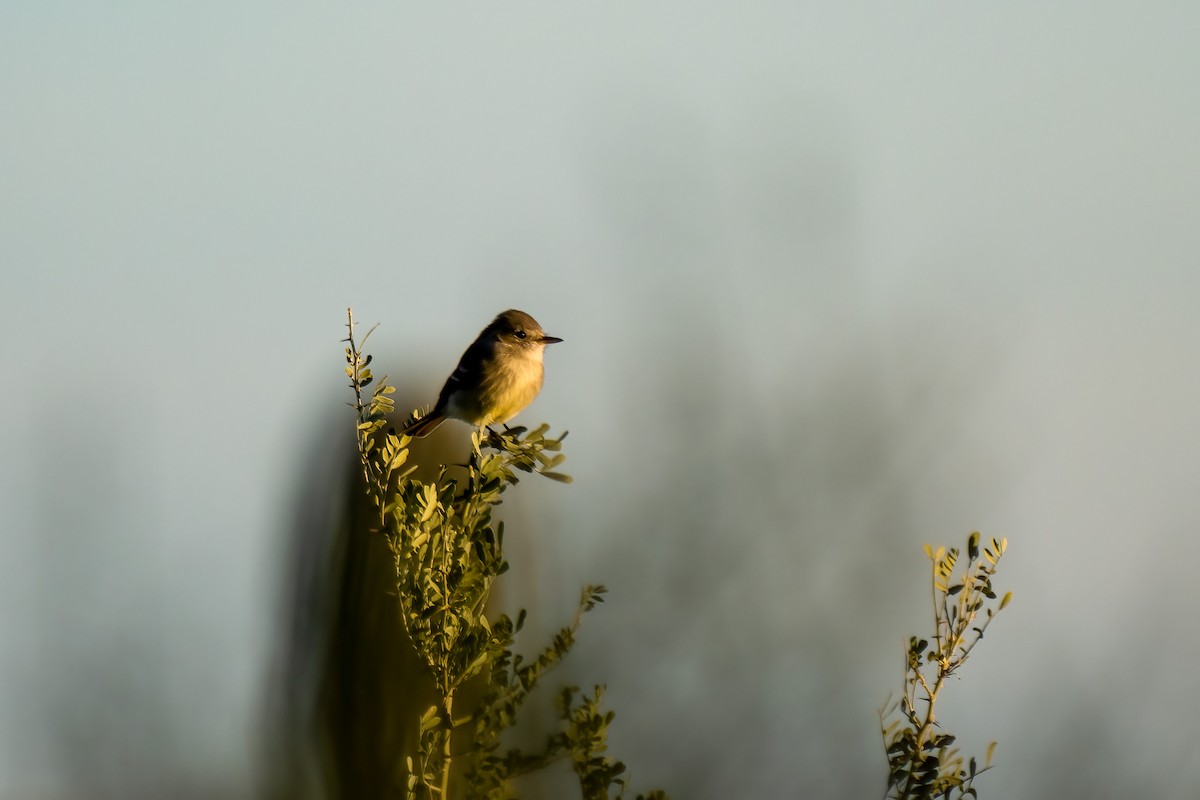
x: 492, y: 435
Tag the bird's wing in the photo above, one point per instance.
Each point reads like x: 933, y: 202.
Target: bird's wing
x: 468, y: 373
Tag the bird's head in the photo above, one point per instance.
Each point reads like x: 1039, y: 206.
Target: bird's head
x: 516, y: 330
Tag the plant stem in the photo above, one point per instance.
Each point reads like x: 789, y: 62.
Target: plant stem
x: 448, y: 708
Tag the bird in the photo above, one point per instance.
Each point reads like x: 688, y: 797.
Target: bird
x: 498, y: 375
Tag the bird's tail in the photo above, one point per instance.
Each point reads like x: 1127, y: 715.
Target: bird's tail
x: 424, y: 426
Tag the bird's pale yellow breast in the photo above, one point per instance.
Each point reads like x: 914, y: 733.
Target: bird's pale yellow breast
x: 510, y: 386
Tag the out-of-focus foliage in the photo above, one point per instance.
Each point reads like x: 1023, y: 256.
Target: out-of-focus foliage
x: 448, y: 553
x: 922, y: 761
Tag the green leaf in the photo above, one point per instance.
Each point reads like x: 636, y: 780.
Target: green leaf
x: 430, y: 719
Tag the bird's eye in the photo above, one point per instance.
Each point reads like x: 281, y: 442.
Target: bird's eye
x: 520, y: 334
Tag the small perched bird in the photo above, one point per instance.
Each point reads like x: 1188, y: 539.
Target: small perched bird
x: 499, y: 375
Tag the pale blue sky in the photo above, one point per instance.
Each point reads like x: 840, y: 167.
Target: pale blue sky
x: 827, y: 256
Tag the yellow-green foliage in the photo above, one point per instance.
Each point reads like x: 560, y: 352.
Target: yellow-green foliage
x: 922, y: 762
x: 448, y: 553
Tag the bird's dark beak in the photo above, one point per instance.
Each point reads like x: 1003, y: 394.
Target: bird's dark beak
x: 550, y: 339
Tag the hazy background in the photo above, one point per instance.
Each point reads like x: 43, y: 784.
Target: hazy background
x: 834, y: 282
